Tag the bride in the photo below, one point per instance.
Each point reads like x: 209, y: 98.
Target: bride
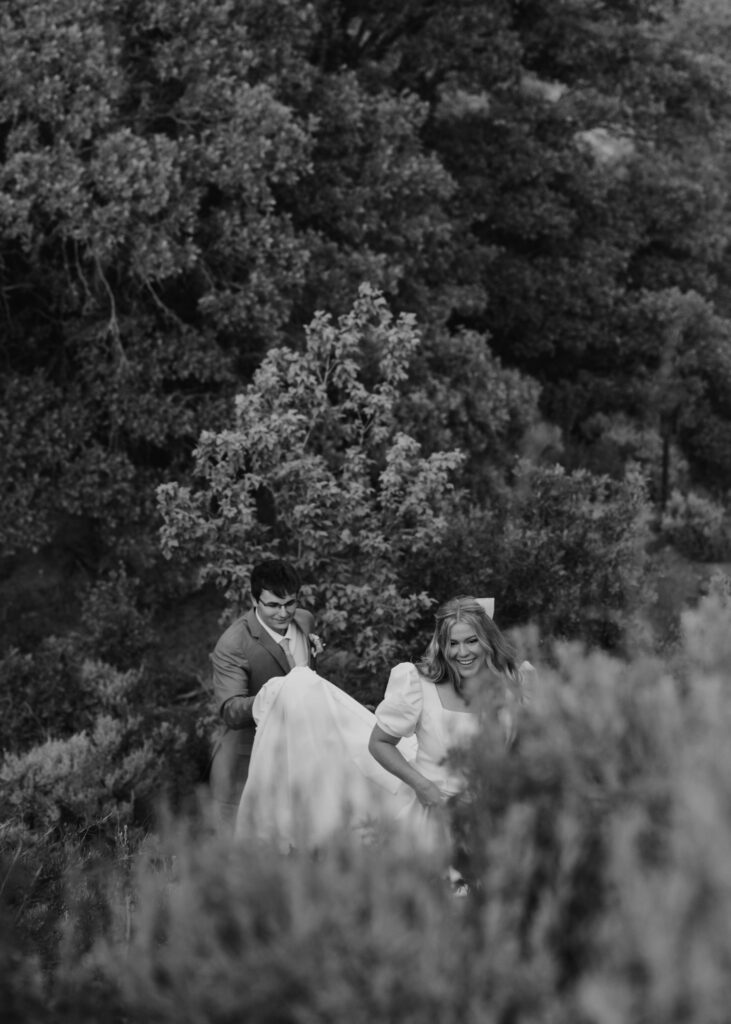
x: 322, y: 762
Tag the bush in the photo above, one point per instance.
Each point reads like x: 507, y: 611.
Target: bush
x: 357, y: 933
x: 316, y: 468
x: 42, y: 694
x: 115, y: 629
x: 697, y: 527
x: 90, y: 779
x: 563, y: 550
x: 46, y: 692
x: 594, y: 745
x: 22, y: 989
x: 613, y: 807
x: 107, y: 775
x: 597, y: 848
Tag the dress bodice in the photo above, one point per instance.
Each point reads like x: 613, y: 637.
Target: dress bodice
x: 411, y: 706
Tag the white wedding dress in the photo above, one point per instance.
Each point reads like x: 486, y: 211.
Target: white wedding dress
x: 311, y: 773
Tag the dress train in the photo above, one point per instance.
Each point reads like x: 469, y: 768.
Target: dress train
x: 311, y: 773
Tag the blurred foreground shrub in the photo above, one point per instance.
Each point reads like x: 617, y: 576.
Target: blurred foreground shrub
x: 609, y: 823
x: 597, y: 848
x: 22, y: 990
x: 357, y: 933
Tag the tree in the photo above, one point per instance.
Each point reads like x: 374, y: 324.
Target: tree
x: 139, y: 237
x: 316, y: 469
x: 587, y: 142
x: 180, y: 187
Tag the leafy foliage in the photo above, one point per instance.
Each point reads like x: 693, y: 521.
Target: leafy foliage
x: 167, y: 179
x: 106, y: 170
x: 684, y: 377
x: 543, y: 186
x: 462, y: 394
x: 101, y: 776
x: 42, y: 695
x: 597, y: 846
x: 564, y: 550
x: 195, y: 182
x: 22, y: 987
x: 115, y: 629
x: 697, y: 527
x: 573, y: 551
x: 86, y: 780
x: 316, y: 469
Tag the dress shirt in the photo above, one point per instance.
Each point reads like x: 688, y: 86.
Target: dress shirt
x: 297, y: 641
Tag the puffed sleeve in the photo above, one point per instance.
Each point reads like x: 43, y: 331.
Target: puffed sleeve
x: 399, y: 712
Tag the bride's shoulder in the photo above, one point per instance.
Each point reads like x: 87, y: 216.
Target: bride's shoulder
x: 404, y: 677
x: 404, y: 668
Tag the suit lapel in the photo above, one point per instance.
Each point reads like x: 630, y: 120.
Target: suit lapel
x: 262, y: 636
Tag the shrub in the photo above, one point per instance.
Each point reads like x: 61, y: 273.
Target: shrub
x: 115, y: 629
x: 571, y: 552
x: 594, y: 744
x: 619, y: 783
x: 107, y: 775
x: 315, y: 468
x: 22, y: 989
x: 42, y: 694
x: 48, y: 692
x: 597, y: 848
x: 89, y: 779
x: 563, y: 550
x: 356, y: 933
x: 697, y: 527
x: 662, y: 953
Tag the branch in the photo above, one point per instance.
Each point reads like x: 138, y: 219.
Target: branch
x: 113, y: 325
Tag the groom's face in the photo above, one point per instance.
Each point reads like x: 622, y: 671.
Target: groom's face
x: 275, y: 611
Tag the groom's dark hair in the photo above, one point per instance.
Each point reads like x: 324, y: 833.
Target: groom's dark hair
x: 275, y: 575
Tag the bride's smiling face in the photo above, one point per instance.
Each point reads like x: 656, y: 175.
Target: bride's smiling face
x: 464, y: 651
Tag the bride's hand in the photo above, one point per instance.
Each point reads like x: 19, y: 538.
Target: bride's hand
x: 429, y: 795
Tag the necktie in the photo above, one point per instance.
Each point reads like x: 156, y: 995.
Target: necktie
x: 287, y: 651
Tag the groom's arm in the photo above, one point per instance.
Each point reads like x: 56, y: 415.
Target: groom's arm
x: 237, y: 712
x: 231, y: 675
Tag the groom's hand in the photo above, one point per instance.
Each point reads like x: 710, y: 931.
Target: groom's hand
x: 236, y: 712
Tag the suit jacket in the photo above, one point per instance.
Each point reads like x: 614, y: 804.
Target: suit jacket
x: 244, y: 658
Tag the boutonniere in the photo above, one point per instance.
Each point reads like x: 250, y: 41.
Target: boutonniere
x: 316, y: 644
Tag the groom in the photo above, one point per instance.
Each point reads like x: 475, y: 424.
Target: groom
x: 268, y: 641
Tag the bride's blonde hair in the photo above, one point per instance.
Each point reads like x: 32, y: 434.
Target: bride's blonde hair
x: 500, y: 655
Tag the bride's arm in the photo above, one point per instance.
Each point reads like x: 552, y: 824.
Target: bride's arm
x: 382, y: 747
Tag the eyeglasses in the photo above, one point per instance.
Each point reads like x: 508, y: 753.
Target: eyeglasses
x: 274, y: 606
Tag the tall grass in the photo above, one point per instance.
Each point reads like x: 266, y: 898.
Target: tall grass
x: 598, y: 847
